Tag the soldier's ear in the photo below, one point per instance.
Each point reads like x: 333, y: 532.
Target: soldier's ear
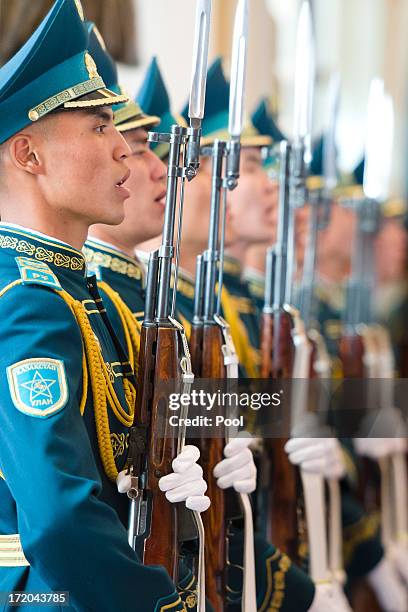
x: 24, y: 154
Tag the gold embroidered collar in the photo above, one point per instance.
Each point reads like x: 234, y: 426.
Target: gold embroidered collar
x: 41, y: 248
x: 108, y: 257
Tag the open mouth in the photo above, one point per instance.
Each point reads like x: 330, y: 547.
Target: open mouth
x: 161, y: 198
x: 123, y: 179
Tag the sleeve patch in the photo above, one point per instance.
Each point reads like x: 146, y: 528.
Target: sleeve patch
x: 38, y: 386
x: 37, y: 273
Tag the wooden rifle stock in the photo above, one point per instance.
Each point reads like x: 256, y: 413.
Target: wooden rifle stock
x: 277, y: 348
x: 278, y: 353
x: 196, y: 348
x: 211, y: 454
x: 159, y: 361
x: 351, y: 352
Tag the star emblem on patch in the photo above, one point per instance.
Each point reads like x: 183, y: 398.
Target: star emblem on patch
x: 38, y: 386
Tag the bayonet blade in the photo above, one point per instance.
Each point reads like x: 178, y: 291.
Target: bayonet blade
x: 200, y: 59
x: 329, y: 143
x: 388, y: 144
x: 304, y: 74
x: 238, y: 73
x: 379, y: 141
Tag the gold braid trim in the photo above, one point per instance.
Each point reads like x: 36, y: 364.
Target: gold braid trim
x: 172, y: 606
x: 351, y: 468
x: 354, y: 535
x: 103, y: 391
x: 276, y: 582
x: 131, y: 326
x: 247, y: 355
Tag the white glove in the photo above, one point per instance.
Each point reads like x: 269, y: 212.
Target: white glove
x: 186, y: 482
x: 317, y: 455
x: 398, y: 554
x: 329, y: 598
x: 376, y: 448
x: 388, y: 587
x: 238, y: 469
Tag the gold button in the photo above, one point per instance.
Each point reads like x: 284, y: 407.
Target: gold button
x: 33, y: 115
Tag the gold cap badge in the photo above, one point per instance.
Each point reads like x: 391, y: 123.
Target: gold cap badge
x: 91, y: 66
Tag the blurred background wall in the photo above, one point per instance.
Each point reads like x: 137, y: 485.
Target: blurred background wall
x: 359, y: 38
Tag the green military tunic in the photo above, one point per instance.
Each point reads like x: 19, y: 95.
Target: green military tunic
x: 63, y: 437
x: 245, y: 327
x: 330, y: 301
x: 397, y: 324
x: 256, y: 286
x: 234, y: 310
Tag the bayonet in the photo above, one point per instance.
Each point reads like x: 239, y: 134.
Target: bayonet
x: 198, y: 85
x: 329, y: 142
x: 237, y: 92
x: 301, y: 153
x: 320, y: 203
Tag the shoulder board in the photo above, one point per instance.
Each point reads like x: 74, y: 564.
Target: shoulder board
x: 34, y: 272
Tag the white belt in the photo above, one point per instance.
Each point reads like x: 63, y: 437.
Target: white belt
x: 11, y: 551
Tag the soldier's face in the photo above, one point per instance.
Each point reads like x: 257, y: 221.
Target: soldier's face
x: 392, y: 241
x: 302, y: 219
x: 336, y: 240
x: 254, y: 203
x: 84, y: 169
x: 144, y: 210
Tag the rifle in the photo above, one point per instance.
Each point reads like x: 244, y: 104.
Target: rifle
x: 364, y: 345
x: 278, y: 358
x: 320, y: 365
x: 217, y: 357
x: 206, y: 343
x: 283, y: 342
x: 164, y: 353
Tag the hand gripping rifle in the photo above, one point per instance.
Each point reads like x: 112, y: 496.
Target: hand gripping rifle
x: 211, y: 341
x: 164, y: 354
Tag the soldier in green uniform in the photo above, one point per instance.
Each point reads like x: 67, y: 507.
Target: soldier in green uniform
x: 67, y: 388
